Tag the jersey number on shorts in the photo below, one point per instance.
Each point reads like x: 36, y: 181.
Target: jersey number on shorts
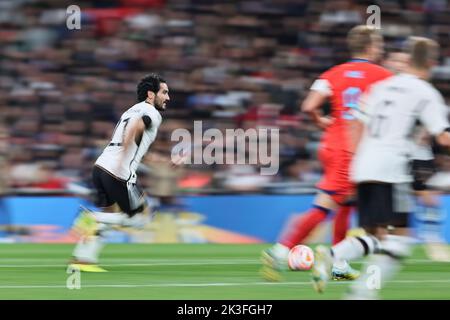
x: 119, y: 132
x: 350, y: 97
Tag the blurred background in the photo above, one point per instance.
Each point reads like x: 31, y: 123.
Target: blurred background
x: 231, y: 64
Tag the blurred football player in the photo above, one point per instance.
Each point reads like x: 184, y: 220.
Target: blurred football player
x: 428, y: 211
x: 342, y: 85
x: 380, y: 168
x: 114, y: 174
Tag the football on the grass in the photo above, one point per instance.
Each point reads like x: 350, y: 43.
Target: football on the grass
x: 301, y: 257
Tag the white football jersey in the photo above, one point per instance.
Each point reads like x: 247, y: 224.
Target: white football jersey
x: 391, y: 109
x: 421, y: 150
x: 115, y: 159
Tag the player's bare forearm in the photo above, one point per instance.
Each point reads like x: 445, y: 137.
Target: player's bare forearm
x: 315, y: 116
x: 319, y: 120
x: 311, y: 106
x: 313, y: 101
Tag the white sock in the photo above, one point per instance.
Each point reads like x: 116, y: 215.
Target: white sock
x: 280, y: 251
x: 397, y: 246
x: 88, y: 249
x: 110, y: 217
x: 137, y: 221
x: 353, y: 248
x: 380, y: 268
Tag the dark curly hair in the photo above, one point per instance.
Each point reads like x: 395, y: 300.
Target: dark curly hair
x: 148, y: 83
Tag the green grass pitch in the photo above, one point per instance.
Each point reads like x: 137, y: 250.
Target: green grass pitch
x: 188, y: 271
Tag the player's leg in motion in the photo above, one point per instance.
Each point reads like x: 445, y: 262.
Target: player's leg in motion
x: 349, y: 249
x: 87, y: 250
x: 341, y: 269
x: 386, y: 250
x: 297, y: 230
x: 92, y: 225
x: 383, y: 265
x: 342, y: 222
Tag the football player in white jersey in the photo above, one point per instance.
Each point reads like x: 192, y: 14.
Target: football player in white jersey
x: 428, y: 211
x: 429, y: 214
x: 381, y: 168
x: 114, y: 174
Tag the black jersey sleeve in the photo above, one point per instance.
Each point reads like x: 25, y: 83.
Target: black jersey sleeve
x: 147, y: 121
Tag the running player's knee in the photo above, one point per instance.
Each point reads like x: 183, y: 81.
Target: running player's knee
x: 325, y: 200
x: 344, y: 199
x: 324, y: 210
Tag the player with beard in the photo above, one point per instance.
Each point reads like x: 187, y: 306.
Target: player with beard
x: 114, y: 175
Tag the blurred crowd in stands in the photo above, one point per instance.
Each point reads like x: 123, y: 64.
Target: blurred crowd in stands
x: 231, y: 64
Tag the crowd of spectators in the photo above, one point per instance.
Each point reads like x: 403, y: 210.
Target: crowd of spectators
x: 231, y: 64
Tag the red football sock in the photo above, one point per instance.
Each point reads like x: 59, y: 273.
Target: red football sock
x: 301, y: 226
x: 341, y: 223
